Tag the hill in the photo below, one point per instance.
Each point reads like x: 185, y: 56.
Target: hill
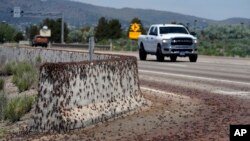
x: 236, y: 21
x: 77, y: 13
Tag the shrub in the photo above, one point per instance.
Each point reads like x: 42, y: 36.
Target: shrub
x: 24, y: 81
x: 17, y: 107
x: 3, y: 103
x: 24, y: 76
x: 227, y: 40
x: 3, y: 132
x: 1, y: 84
x: 9, y: 68
x: 38, y: 60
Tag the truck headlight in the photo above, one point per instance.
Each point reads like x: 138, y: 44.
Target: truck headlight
x: 165, y: 41
x: 195, y: 41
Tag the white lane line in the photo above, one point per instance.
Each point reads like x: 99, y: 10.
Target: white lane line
x: 205, y: 62
x: 223, y: 62
x: 196, y: 77
x: 156, y: 91
x: 176, y: 65
x: 232, y: 92
x: 162, y: 94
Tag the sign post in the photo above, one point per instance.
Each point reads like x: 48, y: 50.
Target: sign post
x: 91, y: 48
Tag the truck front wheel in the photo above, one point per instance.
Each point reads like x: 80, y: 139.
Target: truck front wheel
x: 193, y: 58
x: 142, y: 53
x: 159, y: 55
x: 173, y: 58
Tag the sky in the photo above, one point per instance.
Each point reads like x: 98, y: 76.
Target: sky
x: 210, y: 9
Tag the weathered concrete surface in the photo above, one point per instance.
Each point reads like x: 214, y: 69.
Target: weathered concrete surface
x: 79, y: 93
x: 74, y: 95
x: 13, y: 54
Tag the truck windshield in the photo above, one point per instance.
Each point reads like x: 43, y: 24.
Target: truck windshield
x: 167, y: 30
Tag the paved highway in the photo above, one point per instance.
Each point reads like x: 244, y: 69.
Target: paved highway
x: 219, y: 75
x: 192, y: 101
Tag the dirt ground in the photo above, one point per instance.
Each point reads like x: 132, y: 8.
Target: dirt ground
x: 177, y: 113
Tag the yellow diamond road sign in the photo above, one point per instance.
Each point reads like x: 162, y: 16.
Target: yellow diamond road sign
x: 135, y: 31
x: 135, y: 27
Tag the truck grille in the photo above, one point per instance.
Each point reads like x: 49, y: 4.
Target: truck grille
x: 182, y: 50
x: 182, y: 41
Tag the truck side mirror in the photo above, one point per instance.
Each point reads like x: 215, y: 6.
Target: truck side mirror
x: 193, y: 33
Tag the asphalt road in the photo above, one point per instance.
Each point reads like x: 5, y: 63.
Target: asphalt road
x: 220, y: 75
x: 222, y: 85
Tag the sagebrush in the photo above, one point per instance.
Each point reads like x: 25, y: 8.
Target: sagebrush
x: 17, y: 107
x: 8, y: 68
x: 1, y: 84
x: 3, y: 103
x: 24, y: 75
x: 226, y: 40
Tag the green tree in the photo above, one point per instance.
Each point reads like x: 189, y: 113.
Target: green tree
x: 18, y: 37
x: 31, y: 31
x: 87, y: 32
x: 75, y: 36
x: 6, y: 33
x: 114, y: 29
x: 138, y: 21
x: 108, y: 29
x: 102, y: 29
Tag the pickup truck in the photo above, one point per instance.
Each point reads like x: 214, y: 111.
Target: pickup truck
x: 40, y: 41
x: 168, y: 40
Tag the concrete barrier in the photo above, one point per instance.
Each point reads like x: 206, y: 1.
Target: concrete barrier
x: 75, y: 93
x: 14, y: 54
x: 83, y: 46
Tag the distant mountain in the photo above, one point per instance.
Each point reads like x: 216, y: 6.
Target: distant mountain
x: 236, y: 21
x: 77, y: 13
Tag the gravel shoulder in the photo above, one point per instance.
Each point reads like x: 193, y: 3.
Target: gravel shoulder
x: 176, y: 113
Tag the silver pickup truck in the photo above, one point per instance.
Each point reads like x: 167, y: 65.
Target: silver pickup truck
x: 168, y: 40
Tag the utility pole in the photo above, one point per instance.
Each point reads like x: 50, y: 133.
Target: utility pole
x: 62, y: 30
x: 195, y: 23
